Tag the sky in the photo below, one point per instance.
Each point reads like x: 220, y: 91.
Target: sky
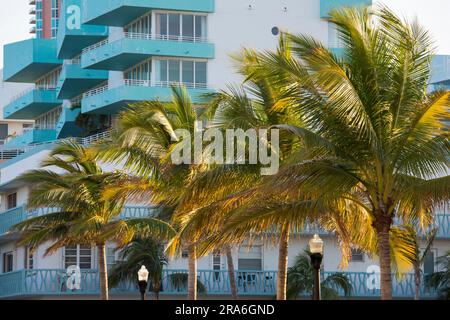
x: 433, y: 14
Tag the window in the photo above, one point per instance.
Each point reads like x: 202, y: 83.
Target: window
x: 8, y: 262
x: 186, y: 27
x: 185, y: 254
x: 11, y: 201
x: 357, y: 255
x: 217, y: 264
x: 79, y: 255
x: 250, y: 257
x: 333, y: 37
x: 193, y: 74
x: 110, y: 257
x: 428, y: 264
x: 3, y: 131
x: 29, y: 258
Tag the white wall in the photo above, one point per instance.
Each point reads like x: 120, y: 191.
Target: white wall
x: 234, y: 26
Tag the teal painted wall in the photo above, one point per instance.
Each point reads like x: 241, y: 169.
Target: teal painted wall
x: 327, y: 5
x: 28, y: 60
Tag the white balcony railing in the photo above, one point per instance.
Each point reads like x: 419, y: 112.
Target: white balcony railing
x: 148, y: 83
x: 148, y: 36
x: 95, y: 91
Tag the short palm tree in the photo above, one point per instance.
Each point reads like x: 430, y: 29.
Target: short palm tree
x: 440, y: 280
x: 301, y: 281
x: 381, y: 139
x: 141, y: 251
x: 72, y: 180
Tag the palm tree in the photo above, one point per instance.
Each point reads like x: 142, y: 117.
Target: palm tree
x: 419, y: 257
x: 301, y: 281
x: 72, y: 181
x: 380, y: 138
x: 141, y: 251
x: 440, y: 281
x: 147, y: 136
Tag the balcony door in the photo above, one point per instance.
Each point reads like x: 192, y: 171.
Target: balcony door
x: 8, y: 262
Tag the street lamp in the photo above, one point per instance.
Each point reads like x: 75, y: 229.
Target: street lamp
x: 316, y: 249
x: 143, y: 279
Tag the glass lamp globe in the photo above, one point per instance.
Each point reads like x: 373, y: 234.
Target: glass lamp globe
x: 143, y: 274
x: 316, y: 244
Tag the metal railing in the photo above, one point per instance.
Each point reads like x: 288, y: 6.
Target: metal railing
x: 148, y: 36
x: 178, y: 38
x: 41, y: 282
x: 16, y: 215
x: 95, y: 46
x: 95, y: 91
x: 149, y: 83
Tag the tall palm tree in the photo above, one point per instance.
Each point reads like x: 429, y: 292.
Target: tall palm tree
x: 381, y: 138
x: 301, y: 281
x: 141, y: 251
x: 440, y: 280
x: 72, y: 180
x: 147, y: 136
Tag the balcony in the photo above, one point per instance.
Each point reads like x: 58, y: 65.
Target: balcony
x: 121, y: 12
x: 30, y: 137
x: 43, y: 282
x: 327, y: 5
x: 106, y: 100
x: 29, y: 60
x: 66, y: 126
x: 134, y: 48
x: 74, y: 80
x: 73, y: 37
x: 14, y: 216
x: 32, y: 103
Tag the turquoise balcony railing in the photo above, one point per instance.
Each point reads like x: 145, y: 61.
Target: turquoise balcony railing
x: 31, y: 104
x: 14, y: 216
x: 10, y: 218
x: 134, y: 48
x: 74, y: 80
x: 72, y: 35
x: 121, y: 12
x: 31, y: 136
x: 45, y: 282
x: 107, y: 100
x: 29, y: 60
x: 327, y: 5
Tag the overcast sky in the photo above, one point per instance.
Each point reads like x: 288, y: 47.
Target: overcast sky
x: 433, y: 14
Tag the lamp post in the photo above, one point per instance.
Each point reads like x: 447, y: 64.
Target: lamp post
x: 143, y: 279
x: 316, y: 249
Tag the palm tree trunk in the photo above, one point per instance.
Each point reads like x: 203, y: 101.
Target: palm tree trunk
x: 283, y: 263
x: 103, y: 272
x: 384, y: 253
x: 231, y: 274
x: 192, y: 275
x: 417, y: 280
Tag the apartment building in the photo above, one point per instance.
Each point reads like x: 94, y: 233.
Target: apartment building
x: 107, y: 54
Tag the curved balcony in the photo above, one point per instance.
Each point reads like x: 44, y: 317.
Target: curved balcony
x: 108, y: 100
x: 134, y: 48
x: 121, y: 12
x: 54, y: 282
x: 32, y: 103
